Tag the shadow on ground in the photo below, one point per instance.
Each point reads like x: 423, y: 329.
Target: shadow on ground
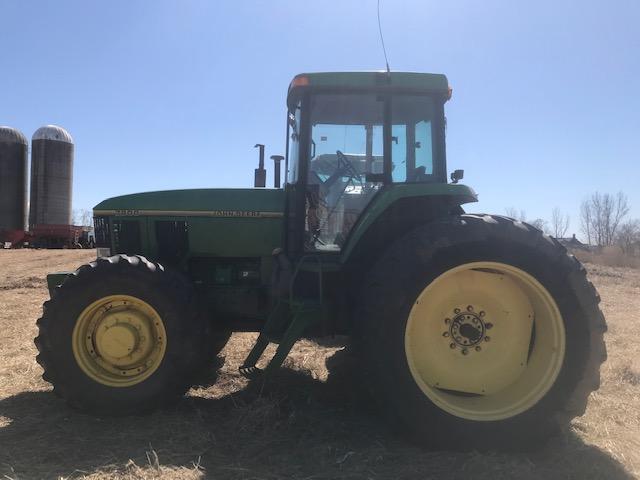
x: 291, y: 427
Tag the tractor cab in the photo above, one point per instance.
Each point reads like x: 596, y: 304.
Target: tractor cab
x: 351, y: 135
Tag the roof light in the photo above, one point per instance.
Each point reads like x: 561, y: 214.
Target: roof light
x: 300, y: 81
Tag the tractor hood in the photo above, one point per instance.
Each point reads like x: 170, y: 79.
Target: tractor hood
x: 210, y: 202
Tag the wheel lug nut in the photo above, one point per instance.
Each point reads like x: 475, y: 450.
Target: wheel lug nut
x: 465, y: 351
x: 456, y: 310
x: 482, y: 314
x: 469, y: 308
x: 487, y: 339
x: 488, y: 325
x: 447, y: 321
x: 445, y: 334
x: 452, y: 345
x: 478, y: 348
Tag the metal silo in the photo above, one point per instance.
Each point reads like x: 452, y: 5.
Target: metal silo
x: 51, y: 177
x: 13, y: 179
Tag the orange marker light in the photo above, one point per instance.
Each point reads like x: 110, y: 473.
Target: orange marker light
x: 300, y: 81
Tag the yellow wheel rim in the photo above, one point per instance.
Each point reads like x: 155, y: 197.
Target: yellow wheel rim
x: 485, y: 341
x: 119, y: 340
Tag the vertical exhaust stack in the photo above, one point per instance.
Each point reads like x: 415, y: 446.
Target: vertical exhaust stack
x: 13, y: 179
x: 277, y: 159
x: 52, y: 152
x: 260, y: 178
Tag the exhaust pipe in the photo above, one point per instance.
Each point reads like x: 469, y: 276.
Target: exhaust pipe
x: 260, y: 176
x: 276, y: 169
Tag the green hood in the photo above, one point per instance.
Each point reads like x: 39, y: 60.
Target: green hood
x: 214, y: 202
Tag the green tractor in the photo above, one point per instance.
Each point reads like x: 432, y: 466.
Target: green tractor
x: 468, y: 329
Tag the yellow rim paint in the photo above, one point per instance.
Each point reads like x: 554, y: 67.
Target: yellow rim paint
x: 119, y: 340
x: 485, y: 341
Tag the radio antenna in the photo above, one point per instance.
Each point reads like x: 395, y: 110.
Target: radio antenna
x: 384, y: 50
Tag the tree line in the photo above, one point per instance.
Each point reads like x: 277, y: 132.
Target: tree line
x: 603, y: 222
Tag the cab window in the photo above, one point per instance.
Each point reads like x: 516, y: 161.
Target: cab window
x: 346, y: 145
x: 412, y: 139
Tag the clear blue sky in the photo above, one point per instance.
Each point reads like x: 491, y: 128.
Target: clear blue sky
x: 174, y: 94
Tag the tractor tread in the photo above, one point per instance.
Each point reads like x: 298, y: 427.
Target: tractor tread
x: 64, y: 295
x: 377, y: 304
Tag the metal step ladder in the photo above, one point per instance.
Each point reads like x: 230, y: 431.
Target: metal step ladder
x: 287, y: 321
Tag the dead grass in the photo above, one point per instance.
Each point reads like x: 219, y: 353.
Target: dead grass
x: 609, y: 256
x: 302, y: 424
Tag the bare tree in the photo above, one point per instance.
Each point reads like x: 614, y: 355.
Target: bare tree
x: 540, y: 224
x: 628, y: 236
x: 600, y: 215
x: 514, y: 213
x: 83, y: 217
x: 585, y: 220
x: 521, y: 215
x: 559, y: 223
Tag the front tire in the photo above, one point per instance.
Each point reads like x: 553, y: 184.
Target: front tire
x: 480, y: 332
x: 121, y: 336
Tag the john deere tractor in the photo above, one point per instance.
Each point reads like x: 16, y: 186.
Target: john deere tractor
x: 468, y: 329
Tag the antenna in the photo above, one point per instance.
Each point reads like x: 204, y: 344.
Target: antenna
x: 384, y: 50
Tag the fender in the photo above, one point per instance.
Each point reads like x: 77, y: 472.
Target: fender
x: 398, y: 208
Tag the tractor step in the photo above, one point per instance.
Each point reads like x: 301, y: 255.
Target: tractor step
x: 302, y: 315
x: 289, y: 318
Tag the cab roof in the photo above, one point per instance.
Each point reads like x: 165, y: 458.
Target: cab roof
x: 435, y: 83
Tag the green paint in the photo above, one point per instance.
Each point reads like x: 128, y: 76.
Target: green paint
x: 460, y: 194
x: 234, y: 237
x: 205, y: 199
x: 434, y: 83
x: 221, y: 222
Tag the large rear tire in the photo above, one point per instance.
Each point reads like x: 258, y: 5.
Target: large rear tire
x: 480, y: 332
x: 121, y: 336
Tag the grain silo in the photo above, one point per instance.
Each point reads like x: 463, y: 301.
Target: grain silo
x: 51, y: 177
x: 13, y: 179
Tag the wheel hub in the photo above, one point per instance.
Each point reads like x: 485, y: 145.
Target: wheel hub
x: 120, y: 337
x: 467, y: 329
x: 119, y: 340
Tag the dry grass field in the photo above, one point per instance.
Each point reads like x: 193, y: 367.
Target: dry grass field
x: 301, y: 424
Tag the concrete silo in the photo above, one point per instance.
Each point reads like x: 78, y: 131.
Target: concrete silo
x: 13, y: 179
x: 51, y: 177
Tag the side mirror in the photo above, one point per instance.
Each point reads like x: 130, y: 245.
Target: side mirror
x: 457, y: 175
